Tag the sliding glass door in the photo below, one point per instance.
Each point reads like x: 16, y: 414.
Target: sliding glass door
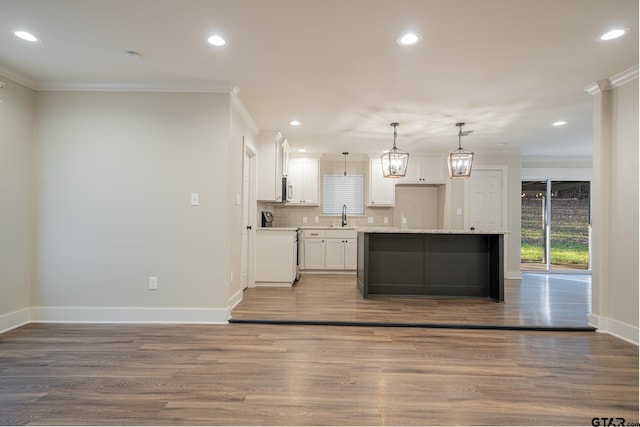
x: 556, y: 218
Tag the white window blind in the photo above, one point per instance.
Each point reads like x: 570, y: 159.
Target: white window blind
x: 339, y: 190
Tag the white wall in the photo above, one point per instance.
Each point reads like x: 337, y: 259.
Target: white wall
x: 115, y: 175
x: 615, y: 206
x: 17, y: 105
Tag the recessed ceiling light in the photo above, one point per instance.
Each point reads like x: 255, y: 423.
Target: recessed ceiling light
x: 613, y: 34
x: 302, y: 150
x: 409, y: 39
x: 559, y: 123
x: 25, y: 35
x: 216, y: 40
x: 295, y: 123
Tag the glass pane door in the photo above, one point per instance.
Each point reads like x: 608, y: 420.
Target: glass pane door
x: 556, y: 225
x: 533, y: 223
x: 570, y: 225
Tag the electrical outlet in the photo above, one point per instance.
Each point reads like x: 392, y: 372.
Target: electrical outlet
x: 153, y: 283
x: 370, y: 220
x: 304, y: 219
x: 317, y: 219
x: 386, y: 220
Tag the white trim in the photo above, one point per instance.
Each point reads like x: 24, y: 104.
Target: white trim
x: 242, y: 110
x: 18, y: 78
x: 14, y: 320
x: 513, y: 275
x: 235, y: 300
x: 216, y: 316
x: 196, y: 87
x: 624, y: 77
x: 618, y: 329
x: 614, y: 81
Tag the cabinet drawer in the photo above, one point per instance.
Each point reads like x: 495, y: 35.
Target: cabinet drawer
x: 313, y: 233
x: 341, y: 234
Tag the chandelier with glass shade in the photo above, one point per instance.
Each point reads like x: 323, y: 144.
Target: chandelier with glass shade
x: 394, y: 162
x: 460, y: 160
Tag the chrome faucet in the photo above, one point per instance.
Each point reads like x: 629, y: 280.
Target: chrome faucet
x: 344, y: 215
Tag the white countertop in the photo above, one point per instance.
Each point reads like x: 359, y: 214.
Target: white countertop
x: 325, y: 227
x: 422, y: 231
x: 277, y: 229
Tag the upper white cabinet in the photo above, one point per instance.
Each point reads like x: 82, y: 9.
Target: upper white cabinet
x: 272, y: 150
x: 302, y: 181
x: 425, y: 170
x: 382, y: 191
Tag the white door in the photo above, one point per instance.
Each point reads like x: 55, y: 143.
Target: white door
x: 248, y: 188
x: 485, y: 200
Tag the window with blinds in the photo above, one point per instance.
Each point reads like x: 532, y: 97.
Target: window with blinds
x: 339, y: 190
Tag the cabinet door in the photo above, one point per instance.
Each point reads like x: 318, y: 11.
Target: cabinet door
x: 314, y: 254
x: 310, y: 181
x: 334, y: 254
x: 350, y: 254
x: 414, y: 169
x: 269, y: 167
x: 433, y: 170
x: 382, y: 191
x: 295, y: 181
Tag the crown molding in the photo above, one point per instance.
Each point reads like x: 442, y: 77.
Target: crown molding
x: 18, y: 77
x: 241, y: 109
x: 624, y: 77
x: 613, y: 81
x: 189, y: 87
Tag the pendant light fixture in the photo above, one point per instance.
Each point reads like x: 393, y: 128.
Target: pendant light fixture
x: 394, y: 161
x: 345, y: 154
x: 460, y: 160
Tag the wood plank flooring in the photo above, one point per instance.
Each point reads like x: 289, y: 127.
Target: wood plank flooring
x: 538, y: 300
x: 240, y: 374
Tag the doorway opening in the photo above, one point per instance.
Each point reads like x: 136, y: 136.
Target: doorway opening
x: 556, y: 226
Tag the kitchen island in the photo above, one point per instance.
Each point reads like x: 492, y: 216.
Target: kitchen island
x: 442, y: 263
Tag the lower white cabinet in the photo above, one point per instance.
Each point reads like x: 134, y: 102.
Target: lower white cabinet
x: 275, y: 257
x: 330, y: 249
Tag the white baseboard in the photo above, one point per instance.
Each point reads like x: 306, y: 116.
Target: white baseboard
x: 616, y: 328
x: 14, y: 320
x: 513, y: 275
x: 213, y: 316
x: 235, y: 300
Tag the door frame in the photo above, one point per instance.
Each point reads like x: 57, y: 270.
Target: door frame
x: 249, y: 205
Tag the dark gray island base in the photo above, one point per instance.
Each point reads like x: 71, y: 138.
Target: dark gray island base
x: 452, y: 264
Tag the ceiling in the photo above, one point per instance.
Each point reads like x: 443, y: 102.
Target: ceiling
x: 508, y: 68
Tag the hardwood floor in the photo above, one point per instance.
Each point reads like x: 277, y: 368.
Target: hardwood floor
x: 538, y: 300
x: 240, y: 374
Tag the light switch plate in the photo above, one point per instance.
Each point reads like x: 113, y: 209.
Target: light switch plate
x: 459, y: 211
x: 370, y: 219
x: 195, y: 199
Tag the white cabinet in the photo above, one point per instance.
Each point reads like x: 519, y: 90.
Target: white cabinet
x: 314, y: 254
x: 341, y: 254
x: 424, y: 170
x: 330, y: 249
x: 272, y: 150
x: 382, y: 191
x: 302, y: 181
x: 275, y: 257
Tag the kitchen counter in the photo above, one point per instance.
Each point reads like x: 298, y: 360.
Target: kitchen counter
x: 444, y: 263
x: 420, y: 231
x: 277, y: 229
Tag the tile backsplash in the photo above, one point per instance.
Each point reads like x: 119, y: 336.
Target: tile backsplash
x: 294, y: 216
